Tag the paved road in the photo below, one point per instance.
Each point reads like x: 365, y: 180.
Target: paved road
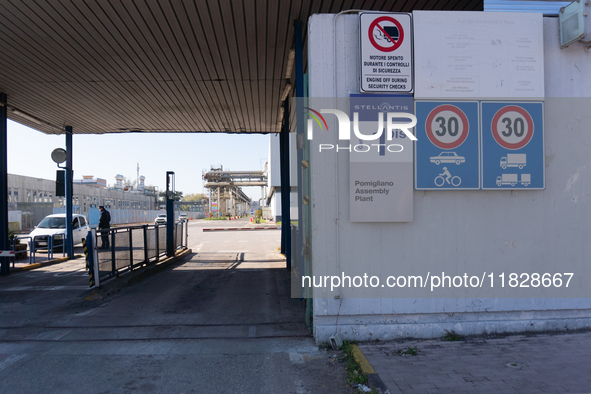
x: 511, y: 365
x: 221, y: 321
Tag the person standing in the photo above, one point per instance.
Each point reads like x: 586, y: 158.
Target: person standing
x: 104, y: 225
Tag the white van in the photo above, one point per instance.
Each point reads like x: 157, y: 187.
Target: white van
x: 56, y: 224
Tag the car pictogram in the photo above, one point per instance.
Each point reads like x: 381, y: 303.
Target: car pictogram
x: 448, y: 157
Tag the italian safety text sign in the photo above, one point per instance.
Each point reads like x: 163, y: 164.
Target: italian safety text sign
x: 386, y: 52
x: 448, y: 147
x: 512, y: 145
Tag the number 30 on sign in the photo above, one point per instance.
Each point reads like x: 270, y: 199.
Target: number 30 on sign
x: 447, y: 126
x: 512, y: 127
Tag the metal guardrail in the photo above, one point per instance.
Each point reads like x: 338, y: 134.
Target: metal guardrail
x: 122, y: 249
x: 51, y: 243
x: 129, y: 247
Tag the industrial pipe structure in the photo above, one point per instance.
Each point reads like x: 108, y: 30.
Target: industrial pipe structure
x: 226, y: 187
x: 237, y: 178
x: 218, y: 184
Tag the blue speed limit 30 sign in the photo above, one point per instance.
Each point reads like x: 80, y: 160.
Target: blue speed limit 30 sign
x: 512, y: 145
x: 447, y: 153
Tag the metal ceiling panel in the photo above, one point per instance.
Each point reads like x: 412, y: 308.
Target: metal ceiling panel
x: 158, y: 65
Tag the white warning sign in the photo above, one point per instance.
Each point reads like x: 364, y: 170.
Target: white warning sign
x: 386, y: 52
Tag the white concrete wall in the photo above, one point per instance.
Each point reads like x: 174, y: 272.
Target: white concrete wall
x: 502, y: 228
x: 274, y: 177
x: 276, y: 206
x: 15, y: 221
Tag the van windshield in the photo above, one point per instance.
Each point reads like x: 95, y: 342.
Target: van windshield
x: 54, y: 222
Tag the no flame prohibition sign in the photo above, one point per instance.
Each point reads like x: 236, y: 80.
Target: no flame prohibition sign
x: 386, y: 52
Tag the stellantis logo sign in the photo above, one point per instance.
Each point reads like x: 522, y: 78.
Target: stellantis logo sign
x: 392, y: 129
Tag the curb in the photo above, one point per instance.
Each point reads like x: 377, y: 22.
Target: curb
x: 373, y: 379
x: 128, y: 278
x: 43, y: 264
x: 242, y: 228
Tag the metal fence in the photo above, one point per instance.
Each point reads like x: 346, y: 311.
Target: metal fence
x: 36, y: 211
x: 40, y: 247
x: 130, y: 216
x: 127, y: 247
x: 122, y: 249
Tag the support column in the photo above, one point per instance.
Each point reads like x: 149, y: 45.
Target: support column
x: 170, y: 192
x: 4, y: 243
x: 285, y: 185
x: 69, y: 194
x: 300, y: 140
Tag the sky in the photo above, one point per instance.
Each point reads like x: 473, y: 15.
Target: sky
x: 106, y: 155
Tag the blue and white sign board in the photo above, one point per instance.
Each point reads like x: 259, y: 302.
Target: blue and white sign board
x: 512, y: 145
x: 447, y: 151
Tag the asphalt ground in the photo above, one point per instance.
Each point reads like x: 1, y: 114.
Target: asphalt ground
x: 517, y: 364
x: 41, y: 256
x: 219, y: 321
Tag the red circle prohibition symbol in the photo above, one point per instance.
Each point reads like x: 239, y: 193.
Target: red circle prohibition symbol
x: 463, y: 118
x: 526, y: 116
x: 396, y: 44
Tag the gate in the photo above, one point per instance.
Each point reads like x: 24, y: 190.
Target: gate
x: 123, y: 249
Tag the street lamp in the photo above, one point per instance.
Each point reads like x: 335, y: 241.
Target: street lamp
x: 59, y: 155
x: 63, y: 187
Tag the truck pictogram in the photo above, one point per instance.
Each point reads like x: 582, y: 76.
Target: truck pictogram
x: 507, y: 179
x: 514, y: 160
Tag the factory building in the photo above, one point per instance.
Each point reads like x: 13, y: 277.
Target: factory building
x: 36, y: 195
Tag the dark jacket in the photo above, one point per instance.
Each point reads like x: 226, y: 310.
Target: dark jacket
x: 105, y: 219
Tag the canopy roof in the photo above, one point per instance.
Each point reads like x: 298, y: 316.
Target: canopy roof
x: 158, y: 66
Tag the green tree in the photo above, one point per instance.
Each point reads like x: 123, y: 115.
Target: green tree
x: 178, y: 195
x: 195, y: 197
x: 192, y: 197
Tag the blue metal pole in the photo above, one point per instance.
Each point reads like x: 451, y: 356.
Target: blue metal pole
x: 170, y: 213
x: 281, y: 175
x: 300, y: 137
x: 4, y: 243
x: 285, y: 184
x: 69, y: 194
x: 170, y: 227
